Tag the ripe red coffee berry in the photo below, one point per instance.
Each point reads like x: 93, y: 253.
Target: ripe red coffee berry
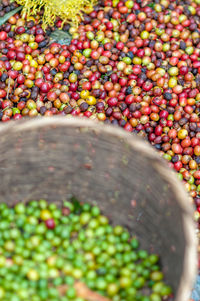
x: 3, y: 35
x: 50, y: 223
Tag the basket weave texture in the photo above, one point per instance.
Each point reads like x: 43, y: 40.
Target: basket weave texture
x: 54, y: 158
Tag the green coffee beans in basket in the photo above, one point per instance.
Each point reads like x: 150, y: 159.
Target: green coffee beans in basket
x: 73, y: 253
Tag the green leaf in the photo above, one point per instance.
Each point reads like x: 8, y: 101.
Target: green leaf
x: 60, y: 36
x: 8, y: 15
x: 151, y: 5
x: 77, y: 205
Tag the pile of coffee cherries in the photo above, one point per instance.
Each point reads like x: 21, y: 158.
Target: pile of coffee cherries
x: 73, y: 253
x: 131, y: 63
x: 6, y: 7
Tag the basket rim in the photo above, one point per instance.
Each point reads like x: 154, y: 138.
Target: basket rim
x: 135, y: 142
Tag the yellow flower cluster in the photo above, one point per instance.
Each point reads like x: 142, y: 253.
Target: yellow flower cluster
x: 67, y: 10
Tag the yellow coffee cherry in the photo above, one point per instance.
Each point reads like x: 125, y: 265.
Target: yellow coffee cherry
x: 91, y: 100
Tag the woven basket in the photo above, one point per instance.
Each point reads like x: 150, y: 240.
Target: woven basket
x: 54, y: 158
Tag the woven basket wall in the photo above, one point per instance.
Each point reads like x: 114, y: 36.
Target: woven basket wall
x: 53, y: 158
